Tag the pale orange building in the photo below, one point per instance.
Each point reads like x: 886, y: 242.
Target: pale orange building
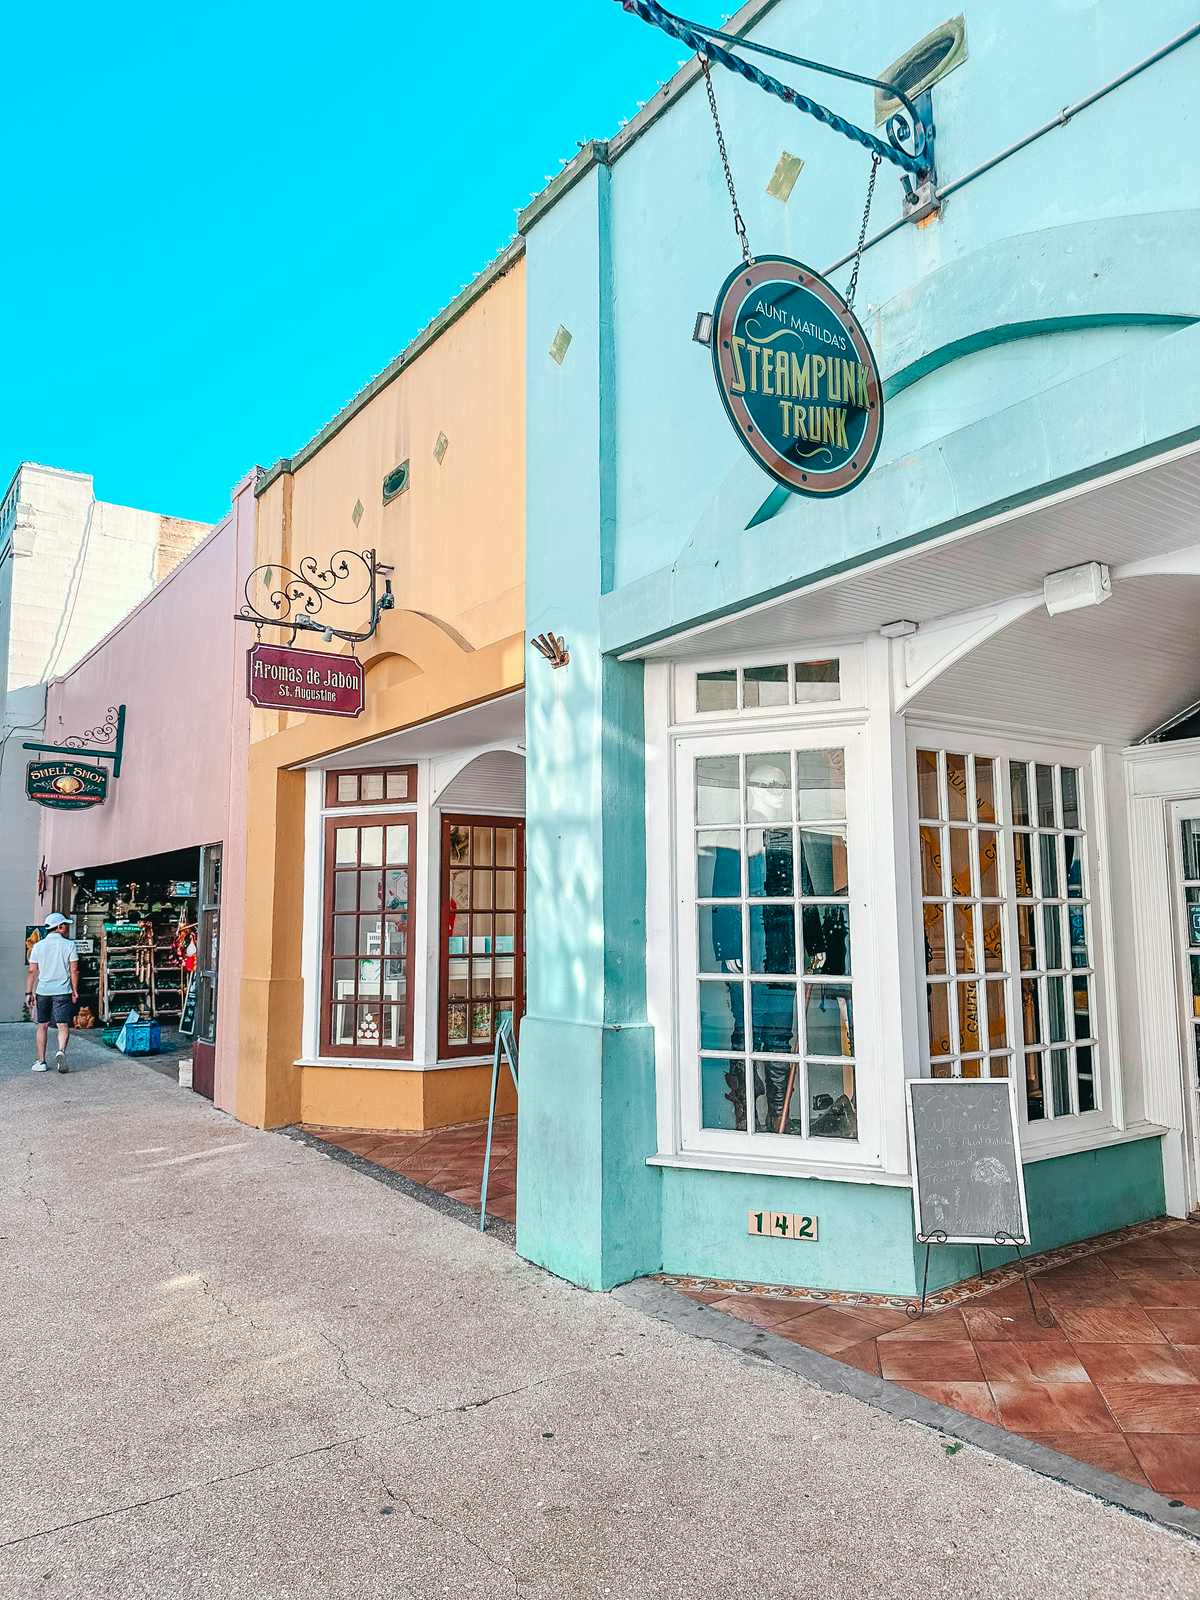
x: 385, y: 853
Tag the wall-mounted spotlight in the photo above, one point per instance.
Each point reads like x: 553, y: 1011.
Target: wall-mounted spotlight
x: 1074, y: 587
x: 553, y: 647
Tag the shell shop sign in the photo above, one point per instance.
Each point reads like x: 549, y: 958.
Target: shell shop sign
x: 66, y: 785
x: 279, y: 678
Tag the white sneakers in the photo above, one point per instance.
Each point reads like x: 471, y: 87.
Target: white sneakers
x: 38, y: 1066
x: 60, y: 1060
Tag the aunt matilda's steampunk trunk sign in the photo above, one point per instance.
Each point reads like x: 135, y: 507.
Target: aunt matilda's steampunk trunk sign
x: 797, y: 376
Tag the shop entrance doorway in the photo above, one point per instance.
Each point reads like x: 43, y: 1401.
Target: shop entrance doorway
x: 136, y: 923
x: 483, y: 931
x: 1185, y: 829
x: 203, y: 1001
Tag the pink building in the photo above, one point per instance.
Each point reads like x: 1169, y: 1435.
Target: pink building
x: 145, y: 874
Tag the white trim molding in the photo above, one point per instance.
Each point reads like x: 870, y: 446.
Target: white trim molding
x: 1159, y: 778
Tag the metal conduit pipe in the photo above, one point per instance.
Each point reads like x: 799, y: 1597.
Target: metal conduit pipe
x: 1060, y: 121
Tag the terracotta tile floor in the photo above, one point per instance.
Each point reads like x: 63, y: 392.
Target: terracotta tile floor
x: 1114, y: 1379
x: 450, y: 1160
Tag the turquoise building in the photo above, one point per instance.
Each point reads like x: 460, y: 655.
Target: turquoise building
x: 838, y: 792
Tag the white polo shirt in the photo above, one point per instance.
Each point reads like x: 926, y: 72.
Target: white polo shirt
x: 52, y: 956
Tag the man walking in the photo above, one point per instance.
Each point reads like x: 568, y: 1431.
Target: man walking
x: 54, y: 976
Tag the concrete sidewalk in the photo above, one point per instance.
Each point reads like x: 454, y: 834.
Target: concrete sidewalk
x: 235, y: 1367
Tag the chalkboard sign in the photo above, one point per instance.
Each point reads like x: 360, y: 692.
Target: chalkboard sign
x: 187, y: 1021
x: 968, y: 1184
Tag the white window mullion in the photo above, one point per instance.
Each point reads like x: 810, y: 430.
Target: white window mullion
x: 1044, y: 835
x: 819, y: 770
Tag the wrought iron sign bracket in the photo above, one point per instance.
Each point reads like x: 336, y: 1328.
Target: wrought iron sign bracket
x: 910, y: 132
x: 297, y: 595
x: 111, y: 732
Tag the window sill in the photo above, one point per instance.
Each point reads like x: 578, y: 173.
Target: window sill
x: 1079, y: 1140
x: 1071, y: 1144
x: 359, y: 1064
x: 765, y: 1167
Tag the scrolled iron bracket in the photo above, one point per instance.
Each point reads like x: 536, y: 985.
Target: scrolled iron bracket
x: 110, y: 732
x: 909, y: 130
x: 106, y: 733
x: 298, y: 595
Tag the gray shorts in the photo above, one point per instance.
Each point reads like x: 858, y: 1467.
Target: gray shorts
x: 55, y: 1008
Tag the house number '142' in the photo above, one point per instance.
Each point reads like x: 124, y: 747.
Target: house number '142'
x: 782, y: 1225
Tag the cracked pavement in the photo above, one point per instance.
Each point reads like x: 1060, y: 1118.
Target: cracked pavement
x: 234, y: 1367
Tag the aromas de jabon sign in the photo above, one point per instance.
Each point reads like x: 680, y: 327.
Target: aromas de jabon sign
x: 66, y: 785
x: 797, y: 376
x: 279, y: 678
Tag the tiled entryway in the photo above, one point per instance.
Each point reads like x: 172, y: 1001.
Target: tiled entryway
x: 450, y: 1160
x: 1114, y: 1379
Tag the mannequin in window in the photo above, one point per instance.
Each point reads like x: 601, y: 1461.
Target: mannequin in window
x: 772, y: 1006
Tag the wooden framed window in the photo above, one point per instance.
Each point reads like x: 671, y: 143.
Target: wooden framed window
x: 367, y: 989
x: 483, y: 937
x: 371, y: 786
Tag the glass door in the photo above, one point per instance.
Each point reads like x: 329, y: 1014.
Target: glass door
x: 208, y: 944
x: 483, y: 931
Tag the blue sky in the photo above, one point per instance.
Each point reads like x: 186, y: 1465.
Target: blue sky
x: 221, y: 219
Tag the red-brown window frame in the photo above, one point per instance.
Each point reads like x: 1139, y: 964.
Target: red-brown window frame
x: 398, y: 812
x: 447, y: 1051
x: 332, y: 803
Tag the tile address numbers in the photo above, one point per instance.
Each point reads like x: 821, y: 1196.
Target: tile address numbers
x: 781, y: 1225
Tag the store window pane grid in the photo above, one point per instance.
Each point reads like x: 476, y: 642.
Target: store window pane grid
x: 1007, y: 926
x: 367, y: 996
x: 774, y: 987
x: 484, y: 929
x: 781, y: 683
x: 962, y: 894
x: 372, y: 787
x: 1190, y: 856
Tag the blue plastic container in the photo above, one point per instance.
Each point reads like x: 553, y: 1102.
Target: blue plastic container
x: 142, y: 1038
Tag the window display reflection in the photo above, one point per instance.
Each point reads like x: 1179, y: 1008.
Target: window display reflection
x: 773, y: 926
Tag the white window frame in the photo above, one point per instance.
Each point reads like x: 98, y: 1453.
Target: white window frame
x: 1078, y: 1130
x: 778, y: 1151
x: 851, y: 686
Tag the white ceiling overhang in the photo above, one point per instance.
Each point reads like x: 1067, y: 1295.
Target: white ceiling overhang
x: 1131, y: 516
x: 494, y: 724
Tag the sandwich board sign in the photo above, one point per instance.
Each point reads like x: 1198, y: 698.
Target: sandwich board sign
x: 187, y: 1021
x: 968, y: 1182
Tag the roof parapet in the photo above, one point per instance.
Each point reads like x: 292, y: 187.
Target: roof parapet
x: 462, y: 302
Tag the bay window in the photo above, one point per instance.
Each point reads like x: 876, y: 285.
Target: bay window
x: 370, y: 858
x: 771, y: 919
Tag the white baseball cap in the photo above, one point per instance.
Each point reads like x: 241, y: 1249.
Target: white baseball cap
x: 55, y: 920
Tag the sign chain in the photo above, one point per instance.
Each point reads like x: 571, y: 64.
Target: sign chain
x: 852, y: 287
x: 739, y: 225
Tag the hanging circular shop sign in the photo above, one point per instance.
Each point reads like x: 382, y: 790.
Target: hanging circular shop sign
x: 797, y: 376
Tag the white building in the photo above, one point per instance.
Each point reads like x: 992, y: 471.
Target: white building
x: 71, y: 566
